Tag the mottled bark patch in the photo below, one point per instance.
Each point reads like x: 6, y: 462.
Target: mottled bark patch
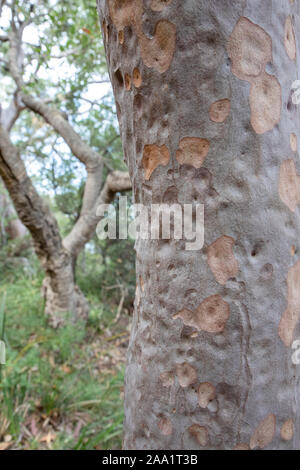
x: 153, y: 156
x: 287, y: 430
x: 136, y: 77
x: 157, y: 52
x: 289, y: 185
x: 167, y: 378
x: 105, y: 30
x: 289, y: 39
x: 221, y: 259
x: 186, y: 374
x: 165, y: 426
x: 294, y: 142
x: 266, y: 271
x: 219, y: 111
x: 121, y: 36
x: 192, y: 151
x: 265, y: 103
x: 250, y: 49
x: 125, y: 12
x: 206, y: 393
x: 211, y: 315
x: 127, y: 81
x: 200, y: 434
x: 241, y: 446
x: 158, y: 5
x: 262, y: 119
x: 264, y: 433
x: 290, y: 317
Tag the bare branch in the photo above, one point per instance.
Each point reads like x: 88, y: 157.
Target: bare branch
x: 9, y: 115
x: 83, y: 230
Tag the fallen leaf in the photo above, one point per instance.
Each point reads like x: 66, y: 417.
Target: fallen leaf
x: 48, y: 438
x: 5, y: 445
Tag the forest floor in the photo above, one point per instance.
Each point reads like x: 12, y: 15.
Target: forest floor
x: 59, y: 389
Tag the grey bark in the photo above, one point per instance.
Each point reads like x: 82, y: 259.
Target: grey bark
x: 203, y: 92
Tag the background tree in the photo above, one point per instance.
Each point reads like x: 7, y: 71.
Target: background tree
x: 52, y: 113
x: 203, y: 93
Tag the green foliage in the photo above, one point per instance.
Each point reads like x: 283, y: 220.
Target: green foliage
x: 62, y: 389
x: 54, y: 375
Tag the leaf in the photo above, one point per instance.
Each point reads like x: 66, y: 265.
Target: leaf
x: 48, y: 438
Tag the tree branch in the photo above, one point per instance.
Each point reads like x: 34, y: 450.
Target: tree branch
x: 117, y: 181
x: 30, y: 207
x: 9, y: 115
x: 83, y: 230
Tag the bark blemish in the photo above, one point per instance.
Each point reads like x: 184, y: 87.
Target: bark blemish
x: 221, y: 259
x: 154, y: 156
x: 242, y: 446
x: 211, y: 315
x: 199, y: 433
x: 290, y: 317
x: 250, y: 49
x: 287, y: 430
x: 125, y: 12
x: 165, y: 426
x: 294, y: 142
x: 142, y: 284
x: 192, y: 151
x: 264, y: 433
x: 136, y: 77
x: 266, y: 271
x: 119, y: 77
x: 105, y: 30
x: 219, y: 111
x: 121, y: 36
x: 158, y: 52
x: 289, y: 39
x: 289, y: 185
x: 265, y: 103
x: 158, y: 5
x: 127, y: 81
x: 206, y: 393
x: 167, y: 378
x: 186, y: 374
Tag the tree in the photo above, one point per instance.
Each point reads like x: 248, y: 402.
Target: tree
x: 22, y: 64
x: 203, y: 92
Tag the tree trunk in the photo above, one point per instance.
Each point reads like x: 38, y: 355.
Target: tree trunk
x: 204, y: 100
x: 64, y: 302
x: 11, y: 227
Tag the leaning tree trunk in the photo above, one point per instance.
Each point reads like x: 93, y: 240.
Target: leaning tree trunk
x: 11, y: 226
x: 64, y: 302
x: 203, y: 93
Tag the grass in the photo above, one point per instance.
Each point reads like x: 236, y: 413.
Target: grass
x: 60, y: 389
